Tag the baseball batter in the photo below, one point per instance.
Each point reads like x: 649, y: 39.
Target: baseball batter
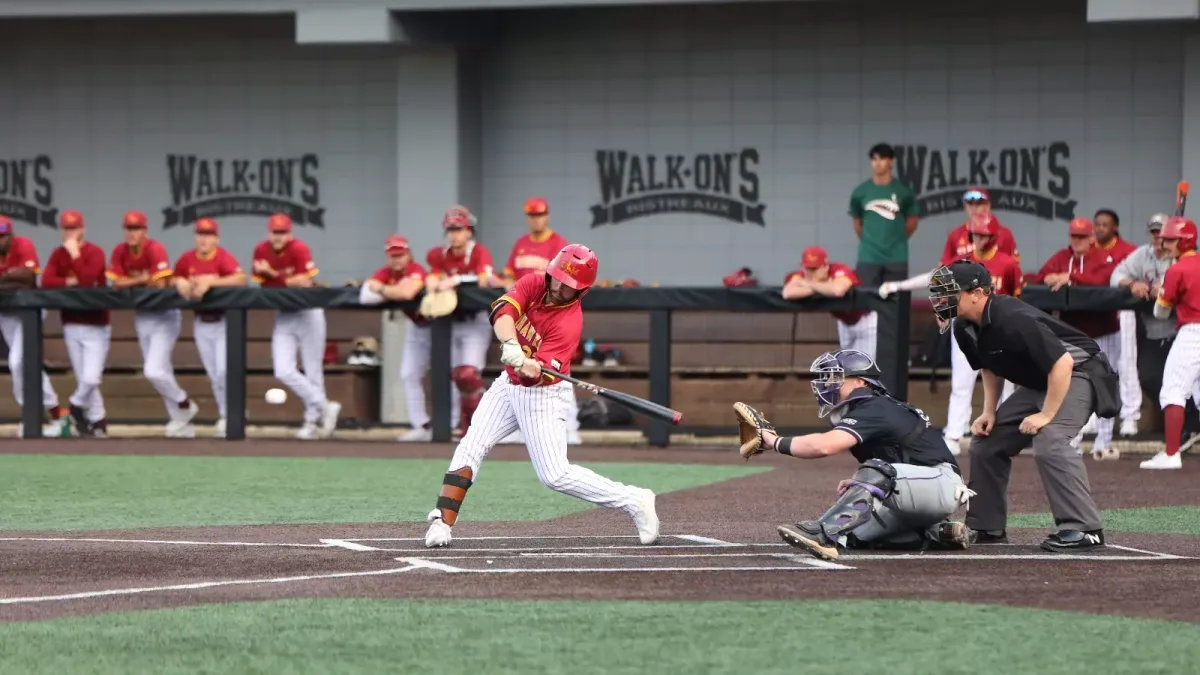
x: 19, y: 269
x: 282, y: 261
x: 1181, y: 293
x: 402, y: 279
x: 80, y: 264
x: 463, y: 260
x: 818, y: 276
x: 1108, y: 239
x: 538, y: 322
x: 209, y: 266
x: 907, y: 484
x: 1083, y: 263
x: 985, y: 232
x: 142, y: 262
x: 530, y: 254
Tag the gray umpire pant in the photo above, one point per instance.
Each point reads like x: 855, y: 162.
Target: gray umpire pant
x: 1062, y: 469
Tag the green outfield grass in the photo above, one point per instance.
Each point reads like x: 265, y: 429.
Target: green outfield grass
x: 80, y: 492
x: 324, y: 637
x: 1151, y: 520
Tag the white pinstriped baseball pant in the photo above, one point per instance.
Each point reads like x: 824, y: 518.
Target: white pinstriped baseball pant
x: 541, y: 415
x: 860, y: 336
x: 1126, y: 365
x: 1111, y: 346
x: 1182, y: 371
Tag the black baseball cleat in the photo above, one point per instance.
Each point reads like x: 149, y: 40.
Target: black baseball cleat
x: 985, y: 537
x: 815, y: 543
x: 1070, y: 541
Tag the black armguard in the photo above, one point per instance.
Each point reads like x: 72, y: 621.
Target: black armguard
x: 783, y: 445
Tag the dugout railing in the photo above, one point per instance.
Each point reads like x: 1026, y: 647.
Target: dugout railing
x: 893, y: 347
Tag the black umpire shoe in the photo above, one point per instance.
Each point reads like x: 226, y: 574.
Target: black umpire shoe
x: 1070, y: 541
x: 985, y: 537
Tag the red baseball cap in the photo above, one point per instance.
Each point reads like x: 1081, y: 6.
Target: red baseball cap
x: 134, y: 219
x: 279, y: 222
x: 977, y: 194
x: 207, y: 226
x: 1082, y: 227
x: 5, y: 225
x: 397, y: 243
x: 70, y: 219
x: 536, y: 206
x: 814, y: 256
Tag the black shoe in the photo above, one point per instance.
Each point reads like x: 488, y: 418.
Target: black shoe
x: 82, y: 426
x: 806, y: 539
x: 985, y: 537
x: 1069, y: 541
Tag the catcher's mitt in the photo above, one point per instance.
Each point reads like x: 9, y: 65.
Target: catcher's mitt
x: 751, y: 424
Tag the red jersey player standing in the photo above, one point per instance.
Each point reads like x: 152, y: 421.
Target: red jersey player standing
x: 1083, y: 263
x: 984, y: 231
x: 530, y: 255
x: 463, y: 260
x: 538, y: 323
x: 959, y: 244
x: 1180, y: 292
x: 19, y: 269
x: 142, y: 262
x: 209, y: 266
x: 402, y: 279
x: 80, y: 264
x: 282, y: 261
x: 819, y: 276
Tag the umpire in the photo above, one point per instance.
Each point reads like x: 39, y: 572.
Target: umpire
x: 1056, y: 370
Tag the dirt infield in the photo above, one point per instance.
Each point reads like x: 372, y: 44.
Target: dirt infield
x: 719, y: 543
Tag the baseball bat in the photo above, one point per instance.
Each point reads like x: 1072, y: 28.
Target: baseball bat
x: 1181, y: 193
x: 640, y: 405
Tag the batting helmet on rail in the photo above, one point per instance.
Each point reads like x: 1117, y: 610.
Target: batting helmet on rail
x: 1181, y: 229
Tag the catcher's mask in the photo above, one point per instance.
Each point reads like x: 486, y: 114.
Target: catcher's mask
x: 948, y: 281
x: 830, y: 371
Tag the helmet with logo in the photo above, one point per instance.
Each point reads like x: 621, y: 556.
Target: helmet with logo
x: 983, y: 223
x: 1181, y: 229
x: 575, y: 266
x: 830, y: 371
x: 458, y: 217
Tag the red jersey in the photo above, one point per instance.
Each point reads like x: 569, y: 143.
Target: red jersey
x: 21, y: 253
x: 836, y: 271
x: 220, y: 263
x: 958, y: 244
x: 1093, y: 269
x: 1118, y: 249
x: 150, y: 257
x: 294, y: 258
x: 547, y: 333
x: 1181, y: 289
x: 388, y: 276
x: 87, y: 270
x: 474, y: 259
x: 1007, y: 278
x: 530, y: 256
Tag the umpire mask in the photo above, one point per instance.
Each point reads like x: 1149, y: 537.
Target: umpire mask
x: 948, y: 281
x: 830, y: 371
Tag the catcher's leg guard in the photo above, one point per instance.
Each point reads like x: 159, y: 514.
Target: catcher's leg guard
x: 874, y: 479
x: 470, y: 386
x: 454, y: 490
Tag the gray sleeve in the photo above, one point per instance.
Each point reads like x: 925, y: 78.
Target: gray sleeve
x: 1130, y: 267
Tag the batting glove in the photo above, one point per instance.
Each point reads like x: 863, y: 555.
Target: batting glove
x: 511, y: 353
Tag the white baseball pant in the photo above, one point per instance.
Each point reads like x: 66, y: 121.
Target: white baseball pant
x: 1131, y: 387
x: 469, y: 342
x: 1183, y: 367
x: 860, y: 336
x: 157, y: 333
x: 1111, y: 346
x: 301, y: 332
x: 87, y: 347
x: 10, y: 327
x: 962, y: 392
x: 540, y: 414
x: 414, y: 363
x: 210, y: 342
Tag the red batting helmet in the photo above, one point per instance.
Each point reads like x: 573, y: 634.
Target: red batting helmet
x: 1182, y: 229
x: 458, y: 217
x: 576, y: 266
x: 983, y: 223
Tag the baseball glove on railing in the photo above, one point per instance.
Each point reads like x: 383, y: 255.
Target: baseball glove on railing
x: 751, y: 424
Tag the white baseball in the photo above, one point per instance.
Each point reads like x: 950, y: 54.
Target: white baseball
x: 276, y: 396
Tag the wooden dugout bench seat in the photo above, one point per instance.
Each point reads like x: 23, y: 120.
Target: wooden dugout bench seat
x: 129, y: 397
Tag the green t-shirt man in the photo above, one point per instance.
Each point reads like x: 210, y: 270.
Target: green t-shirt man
x: 884, y: 211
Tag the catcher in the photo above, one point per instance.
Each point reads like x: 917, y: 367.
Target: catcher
x: 907, y: 484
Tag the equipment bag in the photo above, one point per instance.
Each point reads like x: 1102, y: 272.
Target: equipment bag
x: 1106, y: 386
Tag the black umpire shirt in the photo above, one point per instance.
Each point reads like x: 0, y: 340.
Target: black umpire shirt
x: 882, y: 426
x: 1019, y: 342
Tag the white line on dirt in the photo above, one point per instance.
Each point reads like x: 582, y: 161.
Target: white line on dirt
x: 1056, y: 557
x: 703, y: 540
x: 1138, y: 550
x: 531, y: 536
x: 598, y: 570
x: 815, y: 562
x: 199, y: 585
x: 639, y: 547
x: 353, y: 546
x: 164, y: 541
x: 431, y: 565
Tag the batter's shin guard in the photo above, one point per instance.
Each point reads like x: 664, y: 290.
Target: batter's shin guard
x: 454, y: 490
x: 856, y: 506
